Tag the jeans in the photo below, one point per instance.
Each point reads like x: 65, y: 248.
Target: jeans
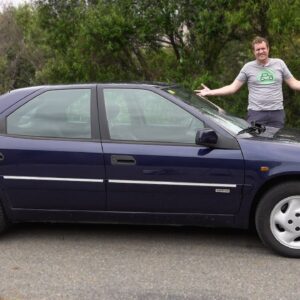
x: 272, y: 118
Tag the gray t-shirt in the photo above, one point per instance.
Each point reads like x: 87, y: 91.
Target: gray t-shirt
x: 265, y: 83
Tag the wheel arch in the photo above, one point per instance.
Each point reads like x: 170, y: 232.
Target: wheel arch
x: 268, y: 185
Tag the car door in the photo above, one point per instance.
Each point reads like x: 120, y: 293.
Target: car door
x: 153, y: 163
x: 51, y: 157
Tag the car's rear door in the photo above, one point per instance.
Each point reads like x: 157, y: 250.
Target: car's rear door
x: 153, y: 163
x: 51, y: 156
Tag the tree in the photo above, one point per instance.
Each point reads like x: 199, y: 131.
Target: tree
x: 16, y: 66
x: 187, y: 41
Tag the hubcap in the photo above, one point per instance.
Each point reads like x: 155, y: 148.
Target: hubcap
x: 285, y: 222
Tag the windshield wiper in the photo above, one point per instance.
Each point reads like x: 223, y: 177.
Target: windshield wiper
x: 254, y: 128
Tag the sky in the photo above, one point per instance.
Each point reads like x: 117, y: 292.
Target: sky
x: 14, y: 2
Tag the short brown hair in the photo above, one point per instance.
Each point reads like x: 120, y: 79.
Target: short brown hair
x: 259, y: 40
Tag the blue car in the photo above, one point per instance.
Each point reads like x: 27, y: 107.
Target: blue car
x: 145, y: 153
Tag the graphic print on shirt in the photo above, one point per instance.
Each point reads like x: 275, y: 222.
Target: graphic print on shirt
x: 266, y: 76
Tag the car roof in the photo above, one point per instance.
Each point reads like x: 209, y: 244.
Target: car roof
x: 78, y: 85
x: 13, y: 96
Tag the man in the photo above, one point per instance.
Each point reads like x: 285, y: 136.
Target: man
x: 264, y: 77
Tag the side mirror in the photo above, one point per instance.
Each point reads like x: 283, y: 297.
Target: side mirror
x: 206, y: 137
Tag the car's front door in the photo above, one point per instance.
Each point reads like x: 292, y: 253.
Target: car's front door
x: 51, y: 157
x: 153, y: 163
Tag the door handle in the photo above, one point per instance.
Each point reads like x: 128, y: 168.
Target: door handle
x: 122, y: 160
x: 1, y: 156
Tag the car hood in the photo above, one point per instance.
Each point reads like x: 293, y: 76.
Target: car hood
x: 277, y: 149
x: 280, y: 135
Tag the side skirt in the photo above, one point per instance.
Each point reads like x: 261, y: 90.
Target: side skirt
x: 29, y: 215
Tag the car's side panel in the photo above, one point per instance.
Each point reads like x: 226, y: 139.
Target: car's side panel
x: 47, y: 174
x: 166, y: 178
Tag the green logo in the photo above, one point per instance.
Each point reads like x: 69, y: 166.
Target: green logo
x: 266, y: 76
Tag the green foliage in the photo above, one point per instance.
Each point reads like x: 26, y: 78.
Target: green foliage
x: 185, y: 41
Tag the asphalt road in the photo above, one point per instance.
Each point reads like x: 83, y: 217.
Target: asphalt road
x: 50, y: 261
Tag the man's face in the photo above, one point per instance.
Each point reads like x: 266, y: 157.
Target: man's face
x: 261, y: 52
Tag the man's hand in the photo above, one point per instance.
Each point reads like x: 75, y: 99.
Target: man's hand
x: 204, y: 92
x: 223, y: 91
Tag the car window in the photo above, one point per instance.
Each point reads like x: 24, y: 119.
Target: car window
x: 142, y: 115
x: 218, y: 115
x: 57, y: 113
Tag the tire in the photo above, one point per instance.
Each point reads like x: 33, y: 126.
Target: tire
x: 277, y: 219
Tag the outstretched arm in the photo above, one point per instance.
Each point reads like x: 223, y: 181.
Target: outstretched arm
x: 293, y: 83
x: 223, y: 91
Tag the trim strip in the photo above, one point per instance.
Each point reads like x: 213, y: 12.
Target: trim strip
x: 121, y: 181
x: 52, y: 179
x: 173, y: 183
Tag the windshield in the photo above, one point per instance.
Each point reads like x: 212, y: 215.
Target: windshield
x: 211, y: 110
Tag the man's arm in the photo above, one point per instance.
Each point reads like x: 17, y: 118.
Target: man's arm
x: 223, y: 91
x: 293, y: 83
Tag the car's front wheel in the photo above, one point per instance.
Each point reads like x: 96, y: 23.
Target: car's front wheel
x: 278, y: 219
